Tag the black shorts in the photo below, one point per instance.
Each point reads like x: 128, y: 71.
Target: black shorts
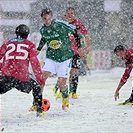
x: 76, y: 62
x: 8, y: 82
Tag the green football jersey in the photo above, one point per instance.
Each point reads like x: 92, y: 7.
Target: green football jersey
x: 56, y: 36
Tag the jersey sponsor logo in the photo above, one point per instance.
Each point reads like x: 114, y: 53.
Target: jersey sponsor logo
x: 51, y: 36
x: 17, y: 40
x: 55, y: 44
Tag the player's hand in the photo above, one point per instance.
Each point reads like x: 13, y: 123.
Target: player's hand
x: 81, y: 53
x: 38, y: 52
x: 116, y: 96
x: 42, y: 88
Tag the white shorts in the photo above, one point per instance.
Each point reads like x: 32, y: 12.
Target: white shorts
x: 62, y: 69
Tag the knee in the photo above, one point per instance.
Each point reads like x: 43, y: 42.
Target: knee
x: 62, y: 86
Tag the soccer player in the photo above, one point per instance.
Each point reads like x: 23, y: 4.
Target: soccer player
x: 127, y: 57
x: 59, y: 51
x: 17, y: 53
x: 73, y: 79
x: 0, y: 62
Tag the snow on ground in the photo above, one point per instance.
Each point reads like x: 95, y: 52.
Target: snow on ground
x: 94, y: 111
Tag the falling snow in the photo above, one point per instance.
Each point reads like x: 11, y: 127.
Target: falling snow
x: 109, y: 23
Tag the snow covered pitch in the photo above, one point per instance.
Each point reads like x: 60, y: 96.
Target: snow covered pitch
x: 94, y: 111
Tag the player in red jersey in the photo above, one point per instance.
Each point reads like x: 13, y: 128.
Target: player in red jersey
x: 17, y: 53
x: 0, y: 62
x: 80, y: 28
x: 127, y: 57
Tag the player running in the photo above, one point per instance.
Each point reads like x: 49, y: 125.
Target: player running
x: 127, y: 57
x: 17, y: 53
x: 74, y: 73
x: 0, y: 63
x: 59, y: 51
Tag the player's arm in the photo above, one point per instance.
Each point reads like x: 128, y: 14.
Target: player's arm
x: 77, y: 38
x: 72, y: 30
x: 87, y: 42
x: 41, y: 44
x: 2, y: 51
x: 123, y: 79
x: 36, y: 65
x: 83, y: 30
x: 80, y: 50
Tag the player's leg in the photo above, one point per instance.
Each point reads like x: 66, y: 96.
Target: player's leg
x: 55, y: 90
x: 131, y: 97
x: 64, y: 89
x: 73, y: 79
x: 6, y: 84
x: 33, y: 85
x: 33, y: 107
x: 129, y: 101
x: 63, y: 71
x: 37, y: 94
x: 47, y: 69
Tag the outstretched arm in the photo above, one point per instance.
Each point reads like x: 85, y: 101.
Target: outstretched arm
x: 41, y: 44
x: 123, y: 80
x: 36, y: 65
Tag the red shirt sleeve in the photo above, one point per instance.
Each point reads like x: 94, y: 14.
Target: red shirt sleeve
x: 74, y: 44
x: 36, y: 65
x: 80, y: 27
x: 2, y: 51
x: 129, y: 66
x: 126, y: 74
x: 0, y: 62
x: 0, y: 65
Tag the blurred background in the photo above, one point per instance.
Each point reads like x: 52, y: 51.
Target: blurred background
x: 109, y: 23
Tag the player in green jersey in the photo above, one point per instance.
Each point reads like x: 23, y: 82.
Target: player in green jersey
x: 59, y: 51
x: 76, y: 61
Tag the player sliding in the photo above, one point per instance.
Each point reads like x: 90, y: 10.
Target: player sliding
x: 17, y: 53
x: 127, y: 57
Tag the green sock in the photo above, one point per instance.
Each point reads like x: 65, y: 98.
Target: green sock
x: 70, y: 87
x: 33, y: 102
x: 65, y: 93
x: 56, y: 87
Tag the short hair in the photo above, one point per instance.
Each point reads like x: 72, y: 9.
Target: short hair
x: 22, y: 30
x: 46, y: 11
x: 70, y: 8
x: 118, y: 48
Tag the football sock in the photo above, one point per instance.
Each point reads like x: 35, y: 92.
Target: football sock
x: 65, y: 93
x: 56, y: 86
x: 73, y: 84
x: 37, y: 94
x: 131, y: 97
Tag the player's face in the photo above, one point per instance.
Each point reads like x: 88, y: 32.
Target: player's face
x: 70, y: 15
x: 121, y: 54
x: 47, y: 19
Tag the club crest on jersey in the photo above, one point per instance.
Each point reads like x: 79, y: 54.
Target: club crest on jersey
x: 55, y: 44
